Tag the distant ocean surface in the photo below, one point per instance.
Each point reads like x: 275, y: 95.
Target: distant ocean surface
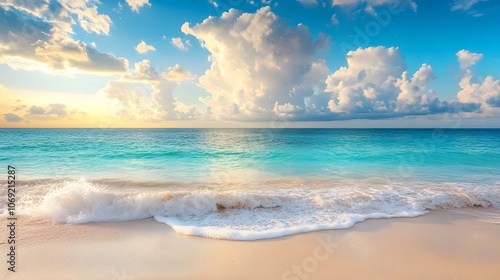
x: 248, y: 184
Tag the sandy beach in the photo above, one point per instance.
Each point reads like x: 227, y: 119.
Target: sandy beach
x: 445, y: 244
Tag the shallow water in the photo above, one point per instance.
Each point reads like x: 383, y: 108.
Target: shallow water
x: 250, y: 183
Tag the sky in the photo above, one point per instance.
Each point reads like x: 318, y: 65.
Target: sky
x: 242, y: 63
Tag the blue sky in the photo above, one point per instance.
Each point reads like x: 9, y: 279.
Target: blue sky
x: 170, y: 85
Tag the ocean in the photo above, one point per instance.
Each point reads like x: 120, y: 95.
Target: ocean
x: 247, y: 184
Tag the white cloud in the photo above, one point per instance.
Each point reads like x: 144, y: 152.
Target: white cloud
x: 375, y: 84
x: 143, y: 48
x: 485, y: 93
x: 262, y: 69
x: 177, y: 42
x: 37, y: 36
x: 178, y: 74
x: 468, y: 59
x: 59, y: 12
x: 258, y: 64
x: 91, y: 21
x: 135, y: 5
x: 214, y: 3
x: 413, y: 95
x: 144, y: 94
x: 143, y: 71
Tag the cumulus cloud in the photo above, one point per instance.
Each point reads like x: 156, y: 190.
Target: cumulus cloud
x: 468, y: 59
x: 36, y: 35
x: 485, y: 93
x: 91, y: 21
x: 145, y: 94
x: 178, y: 43
x: 142, y: 72
x: 12, y: 118
x: 143, y: 48
x: 60, y: 12
x: 178, y: 74
x: 135, y: 5
x: 262, y: 69
x: 375, y: 84
x: 259, y: 64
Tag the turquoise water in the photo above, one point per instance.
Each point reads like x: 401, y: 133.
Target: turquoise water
x: 195, y: 154
x: 250, y: 183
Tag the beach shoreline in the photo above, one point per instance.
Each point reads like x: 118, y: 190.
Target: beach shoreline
x: 444, y: 244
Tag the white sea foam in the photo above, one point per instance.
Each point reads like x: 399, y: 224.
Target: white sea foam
x: 248, y: 213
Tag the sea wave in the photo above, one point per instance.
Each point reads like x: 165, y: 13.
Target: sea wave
x: 265, y: 210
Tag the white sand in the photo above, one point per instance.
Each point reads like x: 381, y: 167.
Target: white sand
x: 452, y: 244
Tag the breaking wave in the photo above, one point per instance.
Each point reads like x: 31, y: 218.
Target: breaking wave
x: 263, y: 211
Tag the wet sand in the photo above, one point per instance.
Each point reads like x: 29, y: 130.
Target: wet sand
x: 445, y: 244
